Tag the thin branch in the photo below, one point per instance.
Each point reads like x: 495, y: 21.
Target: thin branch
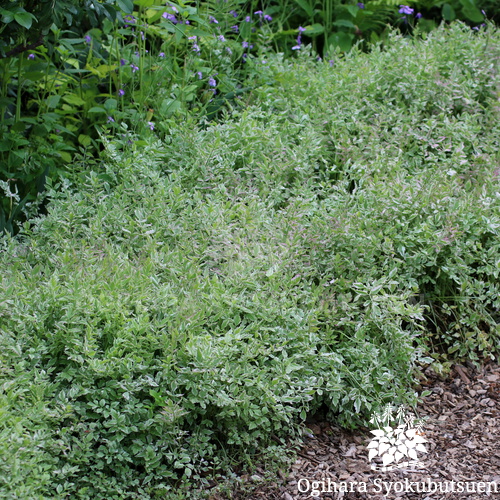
x: 23, y: 48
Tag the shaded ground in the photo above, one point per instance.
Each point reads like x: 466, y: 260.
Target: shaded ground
x: 463, y: 434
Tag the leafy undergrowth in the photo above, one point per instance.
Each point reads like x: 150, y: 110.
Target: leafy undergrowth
x: 183, y: 307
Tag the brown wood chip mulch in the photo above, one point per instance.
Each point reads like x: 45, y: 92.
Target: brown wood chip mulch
x: 463, y: 446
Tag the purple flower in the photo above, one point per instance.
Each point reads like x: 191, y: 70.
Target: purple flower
x: 174, y: 8
x: 248, y: 19
x: 31, y: 56
x: 244, y: 57
x: 229, y: 51
x: 196, y: 47
x: 331, y: 62
x: 418, y: 15
x: 161, y: 54
x: 129, y: 19
x: 151, y: 125
x: 221, y: 38
x: 121, y: 92
x: 134, y: 67
x: 267, y: 18
x: 244, y: 45
x: 299, y: 38
x: 235, y: 28
x: 212, y: 82
x: 258, y: 13
x: 110, y: 119
x: 404, y: 9
x: 88, y: 38
x: 200, y: 75
x: 123, y: 62
x: 169, y: 17
x: 213, y: 20
x: 361, y: 5
x: 233, y: 13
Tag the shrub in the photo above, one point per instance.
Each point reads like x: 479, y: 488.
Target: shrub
x: 185, y: 305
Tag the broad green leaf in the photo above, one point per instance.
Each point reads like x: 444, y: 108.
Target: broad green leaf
x: 470, y: 11
x: 18, y: 127
x: 126, y: 6
x: 448, y: 12
x: 473, y: 13
x: 97, y: 109
x: 314, y: 29
x: 7, y: 16
x: 144, y: 3
x: 84, y: 140
x: 102, y: 70
x: 169, y: 106
x: 306, y: 7
x: 352, y: 9
x: 66, y: 157
x: 53, y: 100
x: 25, y: 19
x: 342, y: 40
x: 344, y: 23
x: 110, y: 104
x: 73, y: 99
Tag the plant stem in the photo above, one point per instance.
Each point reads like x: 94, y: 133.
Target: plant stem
x: 3, y: 93
x: 141, y: 55
x: 19, y: 87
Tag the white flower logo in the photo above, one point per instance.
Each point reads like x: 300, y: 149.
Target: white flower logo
x: 393, y: 444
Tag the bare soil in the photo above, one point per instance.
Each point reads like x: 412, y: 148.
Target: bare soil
x: 463, y: 445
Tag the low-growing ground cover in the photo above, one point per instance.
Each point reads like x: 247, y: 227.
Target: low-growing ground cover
x: 185, y: 305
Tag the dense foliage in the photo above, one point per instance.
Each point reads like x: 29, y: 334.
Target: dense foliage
x: 185, y: 302
x: 74, y: 71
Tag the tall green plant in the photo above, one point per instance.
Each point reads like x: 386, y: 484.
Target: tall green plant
x: 100, y: 70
